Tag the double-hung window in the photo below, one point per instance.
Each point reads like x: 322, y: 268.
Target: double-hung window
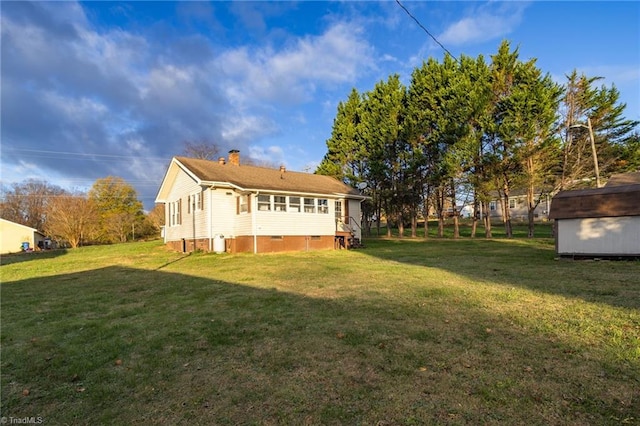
x: 309, y: 205
x: 323, y: 206
x: 175, y: 217
x: 264, y: 203
x: 280, y: 203
x: 194, y: 202
x: 294, y: 204
x: 243, y: 204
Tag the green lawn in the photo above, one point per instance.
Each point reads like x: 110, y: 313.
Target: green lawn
x: 401, y: 332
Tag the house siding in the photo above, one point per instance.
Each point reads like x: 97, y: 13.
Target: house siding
x: 183, y: 186
x: 12, y: 235
x: 222, y: 214
x: 520, y: 211
x: 604, y: 236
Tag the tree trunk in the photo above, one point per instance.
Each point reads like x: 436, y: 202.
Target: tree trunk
x: 440, y: 211
x: 486, y: 218
x: 531, y: 206
x: 425, y: 214
x: 506, y: 213
x: 414, y: 224
x: 476, y: 215
x: 454, y: 210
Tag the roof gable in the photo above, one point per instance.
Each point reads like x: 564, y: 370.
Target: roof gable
x: 11, y: 223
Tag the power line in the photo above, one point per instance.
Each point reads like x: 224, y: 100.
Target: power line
x: 426, y: 30
x: 39, y: 152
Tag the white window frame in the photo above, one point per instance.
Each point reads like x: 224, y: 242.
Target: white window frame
x: 175, y: 218
x: 279, y: 203
x: 295, y: 206
x: 262, y: 203
x: 194, y: 202
x: 323, y: 205
x: 309, y: 207
x: 243, y: 204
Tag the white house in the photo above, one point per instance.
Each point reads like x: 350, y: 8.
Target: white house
x: 601, y: 222
x: 225, y: 206
x: 14, y: 235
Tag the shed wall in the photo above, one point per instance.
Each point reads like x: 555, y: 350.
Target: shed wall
x: 607, y: 236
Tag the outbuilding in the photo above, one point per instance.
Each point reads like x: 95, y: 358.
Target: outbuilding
x: 15, y: 237
x: 601, y: 222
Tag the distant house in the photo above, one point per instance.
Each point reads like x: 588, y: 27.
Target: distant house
x: 601, y: 222
x: 225, y: 206
x: 14, y: 237
x: 518, y: 206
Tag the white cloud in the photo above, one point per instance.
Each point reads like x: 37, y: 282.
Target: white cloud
x: 271, y: 155
x: 78, y: 88
x: 291, y: 75
x: 488, y: 22
x: 243, y: 129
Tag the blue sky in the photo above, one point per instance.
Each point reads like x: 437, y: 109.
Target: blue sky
x: 93, y: 89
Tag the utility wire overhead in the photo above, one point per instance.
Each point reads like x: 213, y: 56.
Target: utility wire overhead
x: 426, y: 30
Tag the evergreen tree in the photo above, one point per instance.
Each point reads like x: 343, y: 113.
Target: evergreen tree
x: 584, y: 105
x: 382, y: 121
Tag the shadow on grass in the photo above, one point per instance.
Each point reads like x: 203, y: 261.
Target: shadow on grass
x: 8, y: 259
x: 122, y: 345
x: 523, y: 263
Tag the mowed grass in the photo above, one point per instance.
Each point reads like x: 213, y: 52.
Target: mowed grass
x: 401, y: 332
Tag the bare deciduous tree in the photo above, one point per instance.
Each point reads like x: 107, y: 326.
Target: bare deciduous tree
x: 73, y: 218
x: 202, y: 149
x: 27, y: 202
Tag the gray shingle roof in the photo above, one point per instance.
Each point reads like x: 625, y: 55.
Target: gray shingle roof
x: 262, y: 178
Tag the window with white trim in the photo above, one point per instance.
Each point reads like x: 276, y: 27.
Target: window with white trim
x: 264, y: 203
x: 194, y: 202
x: 280, y: 203
x: 294, y: 204
x: 243, y: 204
x: 492, y: 206
x: 309, y: 205
x: 512, y: 203
x: 323, y: 206
x: 339, y: 210
x: 175, y: 217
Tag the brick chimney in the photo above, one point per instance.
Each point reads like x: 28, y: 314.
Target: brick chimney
x: 221, y: 161
x: 234, y: 157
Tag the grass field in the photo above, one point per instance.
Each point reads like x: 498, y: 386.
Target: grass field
x: 402, y: 332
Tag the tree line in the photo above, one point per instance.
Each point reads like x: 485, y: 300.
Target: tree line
x: 109, y: 212
x: 468, y: 128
